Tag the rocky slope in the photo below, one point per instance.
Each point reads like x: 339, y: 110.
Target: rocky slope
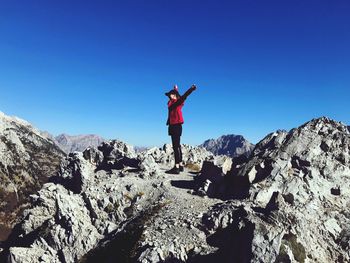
x: 27, y: 160
x: 287, y: 203
x: 296, y: 195
x: 230, y: 145
x: 71, y: 143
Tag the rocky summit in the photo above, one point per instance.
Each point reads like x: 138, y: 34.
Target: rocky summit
x: 287, y: 202
x: 294, y: 195
x: 27, y: 160
x: 230, y: 145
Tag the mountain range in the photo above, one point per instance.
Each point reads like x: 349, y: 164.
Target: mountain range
x: 71, y: 143
x: 230, y: 145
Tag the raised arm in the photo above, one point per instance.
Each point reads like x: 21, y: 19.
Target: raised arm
x: 183, y: 97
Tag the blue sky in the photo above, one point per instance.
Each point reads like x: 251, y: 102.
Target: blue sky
x: 103, y: 66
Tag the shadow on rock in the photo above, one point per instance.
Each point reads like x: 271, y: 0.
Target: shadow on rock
x: 108, y: 165
x: 17, y: 238
x: 121, y: 245
x: 183, y: 184
x: 234, y: 243
x: 237, y: 188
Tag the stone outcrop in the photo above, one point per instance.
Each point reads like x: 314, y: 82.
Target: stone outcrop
x: 193, y: 156
x: 298, y: 180
x: 27, y: 160
x: 230, y: 145
x: 212, y: 178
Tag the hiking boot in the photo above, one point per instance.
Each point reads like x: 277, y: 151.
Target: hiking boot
x: 174, y: 170
x: 181, y: 168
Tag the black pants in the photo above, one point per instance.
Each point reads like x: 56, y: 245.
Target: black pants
x: 177, y: 148
x: 175, y: 131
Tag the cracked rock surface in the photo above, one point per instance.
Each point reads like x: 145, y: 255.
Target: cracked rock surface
x: 297, y: 182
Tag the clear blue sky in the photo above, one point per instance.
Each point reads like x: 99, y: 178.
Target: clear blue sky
x: 103, y: 66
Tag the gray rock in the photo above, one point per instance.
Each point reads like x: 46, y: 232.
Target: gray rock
x: 62, y: 220
x: 40, y: 250
x: 297, y: 179
x: 148, y: 166
x: 249, y: 237
x: 27, y: 161
x: 93, y: 155
x: 193, y: 157
x: 212, y: 175
x: 117, y: 154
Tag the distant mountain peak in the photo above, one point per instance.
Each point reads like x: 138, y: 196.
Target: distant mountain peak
x: 229, y: 144
x: 71, y: 143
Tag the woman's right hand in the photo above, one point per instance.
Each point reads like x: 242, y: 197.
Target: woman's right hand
x: 193, y: 87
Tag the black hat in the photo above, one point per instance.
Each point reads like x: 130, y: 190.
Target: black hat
x: 173, y: 91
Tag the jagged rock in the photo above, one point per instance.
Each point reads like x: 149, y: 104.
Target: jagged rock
x: 298, y: 163
x: 27, y: 160
x: 241, y: 234
x: 195, y: 155
x: 39, y: 251
x: 251, y: 234
x: 63, y: 226
x: 148, y: 166
x: 93, y: 155
x: 295, y: 181
x: 73, y: 174
x: 160, y: 155
x: 211, y: 178
x: 230, y: 145
x: 191, y: 155
x: 117, y: 154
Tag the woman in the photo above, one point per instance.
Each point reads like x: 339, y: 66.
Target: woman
x: 175, y: 121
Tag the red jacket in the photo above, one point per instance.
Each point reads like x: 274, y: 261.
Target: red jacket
x: 175, y: 113
x: 175, y: 106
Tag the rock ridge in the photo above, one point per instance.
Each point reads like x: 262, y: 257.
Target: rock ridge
x: 286, y: 202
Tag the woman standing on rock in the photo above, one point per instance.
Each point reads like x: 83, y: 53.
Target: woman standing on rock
x: 175, y: 121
